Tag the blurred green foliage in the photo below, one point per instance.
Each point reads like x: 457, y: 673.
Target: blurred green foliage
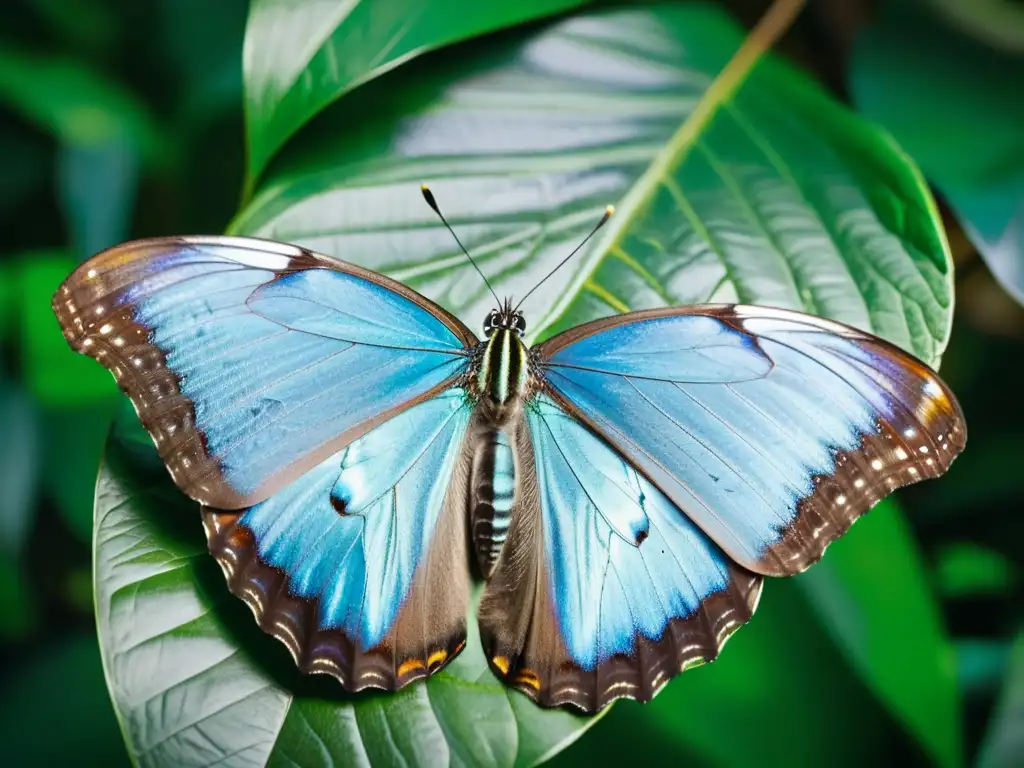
x: 123, y: 119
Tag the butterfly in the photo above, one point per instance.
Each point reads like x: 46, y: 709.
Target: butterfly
x: 622, y: 488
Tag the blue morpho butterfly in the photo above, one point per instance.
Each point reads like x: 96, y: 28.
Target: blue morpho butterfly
x: 624, y: 486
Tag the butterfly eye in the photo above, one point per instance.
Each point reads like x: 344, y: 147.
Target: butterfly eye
x: 490, y: 323
x: 519, y: 323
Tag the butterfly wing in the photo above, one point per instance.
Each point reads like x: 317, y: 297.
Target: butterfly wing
x: 360, y: 566
x: 251, y: 362
x: 604, y: 588
x: 772, y: 430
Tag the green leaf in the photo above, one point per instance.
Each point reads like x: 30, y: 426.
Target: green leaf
x: 1003, y: 745
x: 300, y: 57
x: 170, y: 631
x: 52, y: 372
x: 76, y: 104
x: 966, y: 135
x: 778, y: 695
x: 871, y: 591
x: 776, y: 195
x: 54, y: 710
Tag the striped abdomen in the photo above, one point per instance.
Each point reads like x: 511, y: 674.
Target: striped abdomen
x: 494, y: 488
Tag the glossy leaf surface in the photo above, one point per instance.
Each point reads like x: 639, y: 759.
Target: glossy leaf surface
x: 778, y: 195
x: 299, y: 57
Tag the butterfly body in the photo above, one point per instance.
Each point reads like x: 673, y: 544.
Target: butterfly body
x: 494, y: 490
x: 623, y: 487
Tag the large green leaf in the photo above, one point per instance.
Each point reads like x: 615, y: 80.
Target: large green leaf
x: 778, y: 196
x: 966, y: 135
x: 196, y: 682
x: 774, y: 195
x: 299, y: 57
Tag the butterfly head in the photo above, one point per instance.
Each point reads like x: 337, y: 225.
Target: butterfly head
x: 505, y: 318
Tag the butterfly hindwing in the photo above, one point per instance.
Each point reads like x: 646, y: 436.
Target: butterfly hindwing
x: 603, y: 588
x: 250, y: 362
x: 772, y: 430
x: 360, y: 565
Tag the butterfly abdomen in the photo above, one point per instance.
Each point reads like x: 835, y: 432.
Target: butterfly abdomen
x: 503, y: 372
x: 494, y: 488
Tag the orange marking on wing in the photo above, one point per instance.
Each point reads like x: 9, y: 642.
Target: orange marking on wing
x: 527, y: 677
x: 437, y: 657
x: 408, y: 666
x: 501, y: 663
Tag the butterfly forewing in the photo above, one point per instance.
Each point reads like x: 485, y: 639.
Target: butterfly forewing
x: 777, y: 451
x: 250, y: 362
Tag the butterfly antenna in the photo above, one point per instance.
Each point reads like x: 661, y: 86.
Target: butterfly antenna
x: 429, y: 197
x: 604, y: 220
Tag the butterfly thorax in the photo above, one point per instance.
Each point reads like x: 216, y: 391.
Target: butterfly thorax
x: 503, y: 371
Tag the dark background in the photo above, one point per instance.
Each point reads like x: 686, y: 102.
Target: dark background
x: 62, y: 197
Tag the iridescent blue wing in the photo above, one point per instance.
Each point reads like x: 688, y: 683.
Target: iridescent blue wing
x: 772, y: 430
x: 604, y: 588
x: 251, y: 362
x: 360, y: 566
